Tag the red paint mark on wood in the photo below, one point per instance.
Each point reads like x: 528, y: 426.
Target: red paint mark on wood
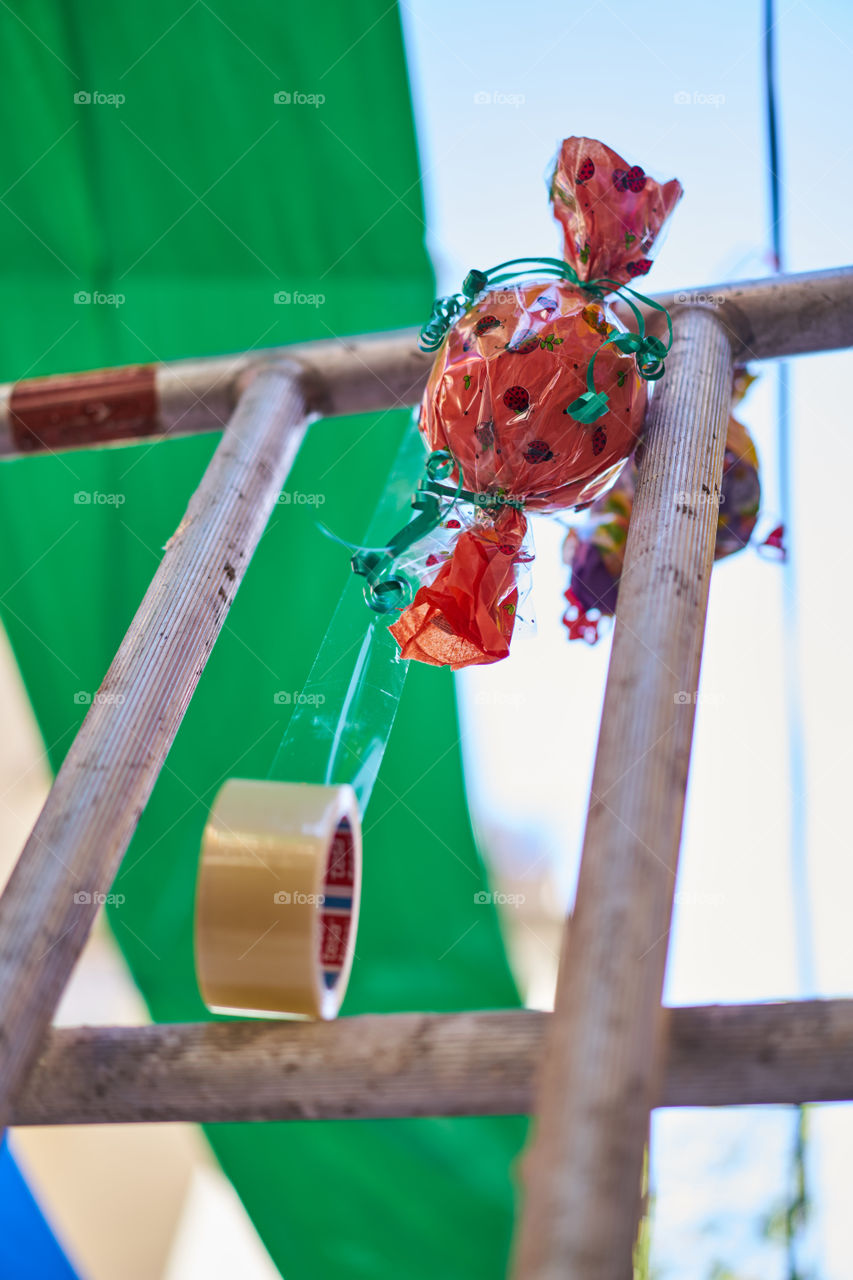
x: 70, y: 410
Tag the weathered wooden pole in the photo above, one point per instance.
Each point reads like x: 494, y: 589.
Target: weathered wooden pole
x: 380, y: 1066
x: 603, y: 1053
x: 69, y: 861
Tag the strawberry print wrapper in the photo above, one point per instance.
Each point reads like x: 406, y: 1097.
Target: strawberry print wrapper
x: 497, y: 396
x: 611, y: 212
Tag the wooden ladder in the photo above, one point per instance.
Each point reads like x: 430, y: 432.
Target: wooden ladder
x: 593, y: 1070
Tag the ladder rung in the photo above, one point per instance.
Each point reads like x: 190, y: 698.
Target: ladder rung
x: 405, y: 1065
x: 776, y: 316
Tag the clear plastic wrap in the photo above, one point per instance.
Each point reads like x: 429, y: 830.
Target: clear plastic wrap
x: 343, y: 715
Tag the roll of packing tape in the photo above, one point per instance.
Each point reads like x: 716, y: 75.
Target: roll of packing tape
x: 277, y: 898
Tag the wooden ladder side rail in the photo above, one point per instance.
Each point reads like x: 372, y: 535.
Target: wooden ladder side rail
x: 91, y: 812
x: 604, y: 1050
x: 405, y: 1065
x: 777, y: 316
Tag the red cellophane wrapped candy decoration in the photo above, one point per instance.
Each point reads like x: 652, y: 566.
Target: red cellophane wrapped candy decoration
x: 538, y: 394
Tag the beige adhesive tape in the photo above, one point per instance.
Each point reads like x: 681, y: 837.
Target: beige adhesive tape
x: 277, y: 898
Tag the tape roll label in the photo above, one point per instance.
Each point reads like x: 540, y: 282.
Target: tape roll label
x: 336, y: 916
x: 340, y: 873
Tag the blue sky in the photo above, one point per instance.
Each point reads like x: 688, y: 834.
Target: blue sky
x: 621, y: 73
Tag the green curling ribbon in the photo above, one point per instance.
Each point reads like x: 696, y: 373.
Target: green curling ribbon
x: 387, y: 591
x: 589, y: 407
x: 446, y: 311
x: 648, y: 350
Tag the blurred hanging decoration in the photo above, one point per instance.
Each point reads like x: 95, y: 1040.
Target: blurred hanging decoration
x: 536, y: 398
x: 773, y: 546
x: 594, y: 548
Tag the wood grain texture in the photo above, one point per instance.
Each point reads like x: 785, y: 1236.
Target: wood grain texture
x: 776, y: 316
x: 603, y: 1054
x: 74, y: 851
x: 405, y: 1065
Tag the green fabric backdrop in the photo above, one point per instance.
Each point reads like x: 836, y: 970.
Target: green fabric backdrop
x: 198, y: 198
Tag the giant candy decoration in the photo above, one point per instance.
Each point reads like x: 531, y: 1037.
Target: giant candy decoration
x: 536, y: 398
